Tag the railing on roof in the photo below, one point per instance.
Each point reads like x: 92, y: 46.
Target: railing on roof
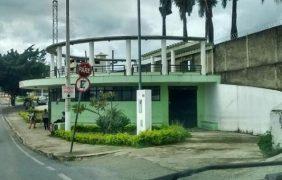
x: 145, y: 69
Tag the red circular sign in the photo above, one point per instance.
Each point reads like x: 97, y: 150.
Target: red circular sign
x: 84, y: 69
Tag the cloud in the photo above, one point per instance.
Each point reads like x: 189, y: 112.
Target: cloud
x: 27, y: 22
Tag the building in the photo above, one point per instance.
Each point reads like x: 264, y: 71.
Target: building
x: 185, y: 79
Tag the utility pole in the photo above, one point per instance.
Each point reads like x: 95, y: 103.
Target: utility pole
x: 55, y: 35
x: 139, y: 45
x: 68, y: 82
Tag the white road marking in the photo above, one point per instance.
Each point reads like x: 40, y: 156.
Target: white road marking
x: 50, y: 168
x: 64, y: 177
x: 28, y: 155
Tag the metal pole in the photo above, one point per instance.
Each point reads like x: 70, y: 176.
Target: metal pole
x: 139, y: 45
x: 68, y: 82
x: 76, y: 118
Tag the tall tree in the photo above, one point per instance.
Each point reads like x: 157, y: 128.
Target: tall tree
x: 165, y: 10
x: 206, y: 7
x: 234, y: 29
x: 185, y: 7
x: 15, y: 67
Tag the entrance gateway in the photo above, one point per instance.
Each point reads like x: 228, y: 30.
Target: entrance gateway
x: 183, y: 106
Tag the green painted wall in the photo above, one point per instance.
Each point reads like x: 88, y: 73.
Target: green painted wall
x: 159, y: 109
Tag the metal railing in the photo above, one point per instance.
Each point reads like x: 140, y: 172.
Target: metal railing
x: 110, y: 69
x: 148, y: 68
x: 184, y: 68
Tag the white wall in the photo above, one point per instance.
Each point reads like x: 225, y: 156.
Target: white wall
x: 276, y: 126
x: 240, y: 108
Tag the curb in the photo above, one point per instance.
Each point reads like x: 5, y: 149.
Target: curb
x: 68, y: 157
x: 190, y: 172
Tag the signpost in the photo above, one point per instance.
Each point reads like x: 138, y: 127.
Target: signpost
x: 82, y: 85
x: 68, y: 92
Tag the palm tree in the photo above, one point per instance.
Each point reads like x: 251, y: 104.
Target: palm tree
x: 184, y: 6
x: 165, y: 10
x: 234, y: 29
x: 206, y: 9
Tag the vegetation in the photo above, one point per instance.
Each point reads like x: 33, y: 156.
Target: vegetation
x: 110, y: 118
x: 165, y: 10
x: 265, y: 144
x: 25, y: 115
x: 169, y: 135
x: 15, y: 67
x: 185, y: 7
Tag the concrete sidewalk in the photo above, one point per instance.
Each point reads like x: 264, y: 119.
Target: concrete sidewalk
x: 39, y: 140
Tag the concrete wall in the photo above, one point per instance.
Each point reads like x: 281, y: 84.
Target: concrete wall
x: 240, y: 108
x: 276, y: 126
x: 253, y: 60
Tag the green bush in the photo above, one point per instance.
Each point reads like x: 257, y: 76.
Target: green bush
x: 25, y: 116
x: 265, y: 144
x: 87, y: 128
x: 169, y: 135
x: 114, y: 121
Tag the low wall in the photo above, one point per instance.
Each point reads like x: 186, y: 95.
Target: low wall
x: 276, y: 126
x: 240, y: 108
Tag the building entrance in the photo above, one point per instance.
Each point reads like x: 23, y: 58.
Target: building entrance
x: 183, y: 106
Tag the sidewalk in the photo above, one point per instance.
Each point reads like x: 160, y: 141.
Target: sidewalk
x: 39, y: 140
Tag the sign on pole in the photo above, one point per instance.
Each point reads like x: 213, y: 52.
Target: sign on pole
x: 68, y: 92
x: 84, y: 70
x: 82, y: 84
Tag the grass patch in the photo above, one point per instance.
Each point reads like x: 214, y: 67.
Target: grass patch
x: 168, y: 135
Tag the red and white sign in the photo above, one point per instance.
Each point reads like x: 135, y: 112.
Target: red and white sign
x: 68, y: 92
x: 84, y: 70
x: 82, y: 84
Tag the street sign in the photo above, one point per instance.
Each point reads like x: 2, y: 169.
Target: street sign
x: 84, y: 70
x: 68, y: 92
x: 82, y: 84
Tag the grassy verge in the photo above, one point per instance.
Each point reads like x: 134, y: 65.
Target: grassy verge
x: 168, y: 135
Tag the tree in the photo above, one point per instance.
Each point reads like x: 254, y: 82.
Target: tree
x: 234, y: 29
x: 206, y: 10
x: 15, y: 67
x: 185, y: 7
x: 165, y: 10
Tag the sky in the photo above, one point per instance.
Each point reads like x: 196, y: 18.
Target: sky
x: 27, y: 22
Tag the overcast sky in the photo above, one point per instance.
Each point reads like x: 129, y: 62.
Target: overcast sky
x: 27, y: 22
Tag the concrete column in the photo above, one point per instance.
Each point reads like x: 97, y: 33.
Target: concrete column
x: 91, y: 53
x: 203, y: 57
x: 172, y: 62
x: 52, y: 66
x: 164, y: 59
x: 153, y: 67
x: 128, y: 58
x: 59, y: 60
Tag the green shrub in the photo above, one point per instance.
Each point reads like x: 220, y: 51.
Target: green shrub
x: 114, y: 121
x: 265, y: 144
x: 87, y: 128
x: 168, y: 135
x: 25, y: 116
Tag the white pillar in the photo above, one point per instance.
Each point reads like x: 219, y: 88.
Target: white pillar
x: 153, y: 67
x: 172, y: 62
x: 203, y: 57
x: 128, y: 57
x: 52, y: 66
x: 164, y: 59
x: 91, y: 53
x: 42, y: 92
x: 59, y: 60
